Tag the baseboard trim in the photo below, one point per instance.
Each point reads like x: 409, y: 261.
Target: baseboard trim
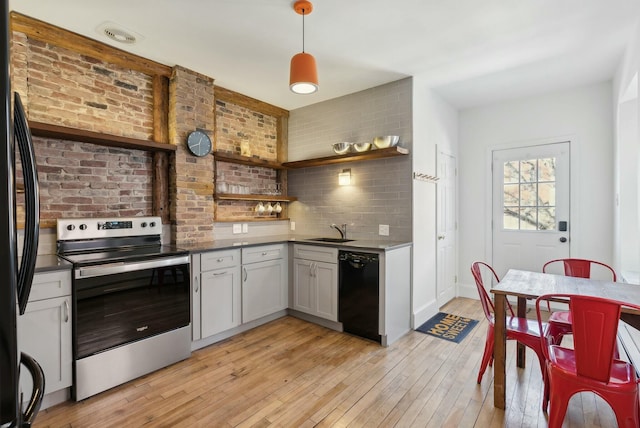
x: 423, y: 314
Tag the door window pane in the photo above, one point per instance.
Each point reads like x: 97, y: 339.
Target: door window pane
x: 529, y: 194
x: 512, y: 172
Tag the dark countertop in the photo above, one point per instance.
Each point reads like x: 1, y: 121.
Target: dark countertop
x: 50, y: 263
x: 225, y: 244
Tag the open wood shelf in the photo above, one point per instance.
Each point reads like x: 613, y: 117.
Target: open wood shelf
x: 48, y: 130
x: 251, y: 219
x: 238, y: 197
x: 349, y: 157
x: 244, y: 160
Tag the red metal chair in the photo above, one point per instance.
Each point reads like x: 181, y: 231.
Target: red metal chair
x: 523, y: 330
x: 560, y: 321
x: 591, y: 365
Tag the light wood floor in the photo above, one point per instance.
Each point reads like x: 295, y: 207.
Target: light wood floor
x: 290, y: 373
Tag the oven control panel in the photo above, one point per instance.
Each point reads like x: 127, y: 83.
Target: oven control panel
x: 90, y: 228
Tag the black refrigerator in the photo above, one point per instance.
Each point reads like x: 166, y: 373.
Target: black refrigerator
x: 15, y: 275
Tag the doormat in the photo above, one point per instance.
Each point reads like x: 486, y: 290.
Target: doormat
x: 449, y: 327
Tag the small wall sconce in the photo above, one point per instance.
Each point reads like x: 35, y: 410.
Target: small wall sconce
x: 344, y: 177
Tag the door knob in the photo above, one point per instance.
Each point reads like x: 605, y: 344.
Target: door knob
x: 440, y: 237
x: 563, y: 239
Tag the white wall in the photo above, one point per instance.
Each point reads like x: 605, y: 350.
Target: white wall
x: 583, y: 115
x: 435, y: 125
x: 627, y: 149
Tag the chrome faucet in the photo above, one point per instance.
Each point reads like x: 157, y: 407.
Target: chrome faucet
x: 342, y: 230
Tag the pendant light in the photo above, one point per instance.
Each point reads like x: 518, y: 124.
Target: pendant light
x: 303, y: 76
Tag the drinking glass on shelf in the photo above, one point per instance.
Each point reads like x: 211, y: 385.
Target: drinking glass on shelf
x: 222, y: 187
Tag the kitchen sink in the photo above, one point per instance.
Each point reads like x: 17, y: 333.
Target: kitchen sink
x: 330, y: 240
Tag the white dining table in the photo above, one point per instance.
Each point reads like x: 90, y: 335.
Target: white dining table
x: 526, y: 285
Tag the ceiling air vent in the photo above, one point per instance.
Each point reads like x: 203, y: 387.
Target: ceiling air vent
x: 117, y: 33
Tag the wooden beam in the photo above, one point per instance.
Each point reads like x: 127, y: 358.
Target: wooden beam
x: 161, y: 160
x: 161, y: 186
x: 48, y: 33
x: 252, y: 104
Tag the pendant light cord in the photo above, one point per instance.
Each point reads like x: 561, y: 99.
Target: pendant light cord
x: 303, y: 30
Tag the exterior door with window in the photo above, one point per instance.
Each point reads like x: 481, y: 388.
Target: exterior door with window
x: 531, y: 202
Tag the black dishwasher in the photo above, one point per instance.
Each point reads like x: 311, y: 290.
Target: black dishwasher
x: 359, y: 302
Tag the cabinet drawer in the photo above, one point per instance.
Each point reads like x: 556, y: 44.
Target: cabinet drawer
x: 219, y: 259
x: 263, y: 253
x: 50, y: 284
x: 317, y: 253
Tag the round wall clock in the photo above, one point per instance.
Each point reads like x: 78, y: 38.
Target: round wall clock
x: 199, y: 143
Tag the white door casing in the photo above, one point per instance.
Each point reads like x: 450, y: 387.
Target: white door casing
x: 447, y: 220
x: 530, y: 202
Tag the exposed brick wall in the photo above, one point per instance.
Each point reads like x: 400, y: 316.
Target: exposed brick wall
x: 235, y: 126
x: 19, y: 68
x: 86, y: 180
x: 62, y: 87
x: 190, y: 108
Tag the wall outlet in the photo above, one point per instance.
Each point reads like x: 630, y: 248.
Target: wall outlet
x: 245, y: 228
x: 383, y: 229
x: 237, y: 228
x: 292, y: 225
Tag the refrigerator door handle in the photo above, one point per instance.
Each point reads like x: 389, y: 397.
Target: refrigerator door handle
x: 32, y: 204
x: 38, y: 389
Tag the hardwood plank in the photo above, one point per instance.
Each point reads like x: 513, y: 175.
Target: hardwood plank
x: 293, y: 373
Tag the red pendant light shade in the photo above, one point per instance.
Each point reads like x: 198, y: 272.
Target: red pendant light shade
x: 303, y: 76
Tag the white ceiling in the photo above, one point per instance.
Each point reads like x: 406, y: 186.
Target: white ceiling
x: 472, y: 51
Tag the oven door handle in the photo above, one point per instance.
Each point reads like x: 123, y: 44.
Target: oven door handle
x: 121, y: 267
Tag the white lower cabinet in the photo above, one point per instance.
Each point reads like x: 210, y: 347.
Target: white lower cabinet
x: 221, y: 300
x: 44, y: 331
x: 217, y: 294
x: 315, y: 281
x: 264, y: 281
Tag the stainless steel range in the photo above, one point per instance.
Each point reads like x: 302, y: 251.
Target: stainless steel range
x: 131, y: 305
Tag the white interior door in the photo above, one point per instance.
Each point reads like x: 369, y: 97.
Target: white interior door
x: 446, y: 228
x: 531, y: 202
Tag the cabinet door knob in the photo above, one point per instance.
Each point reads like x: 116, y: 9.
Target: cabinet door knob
x: 440, y: 237
x: 220, y: 260
x: 197, y: 288
x: 245, y: 274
